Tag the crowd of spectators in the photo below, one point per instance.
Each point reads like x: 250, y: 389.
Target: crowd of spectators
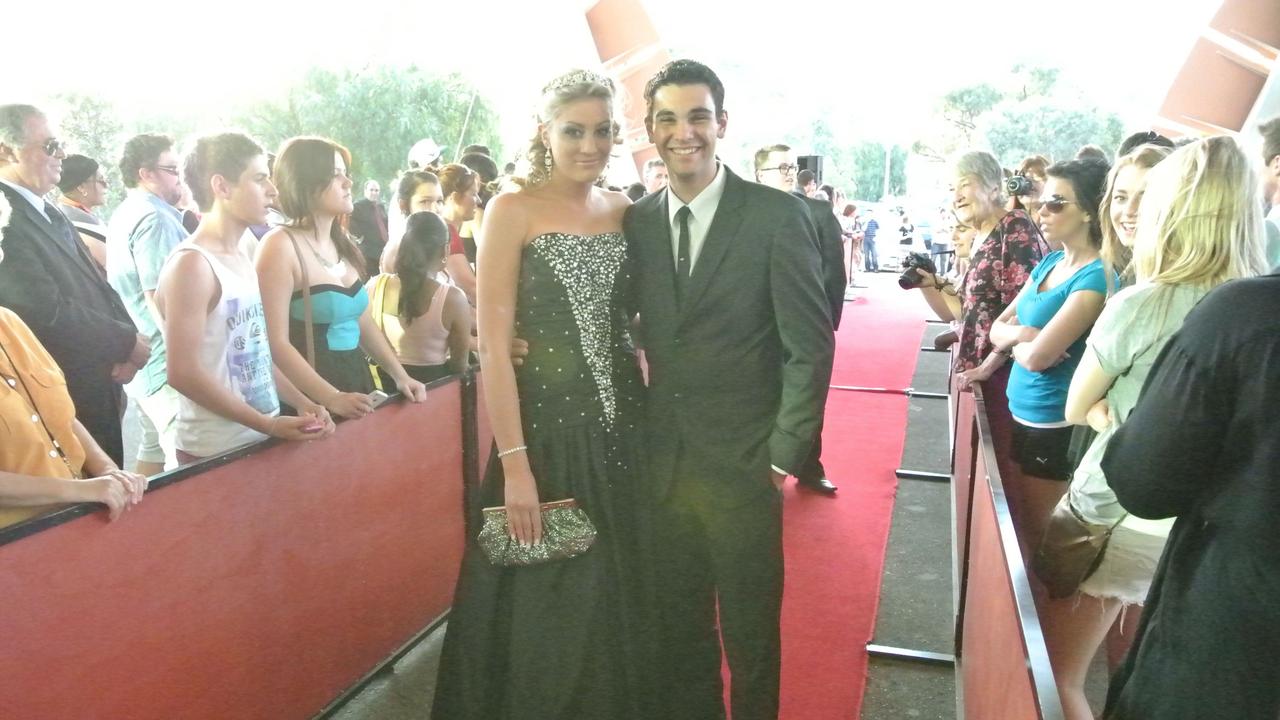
x: 1093, y: 298
x: 1075, y: 311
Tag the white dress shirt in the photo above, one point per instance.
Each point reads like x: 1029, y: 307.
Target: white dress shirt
x: 36, y: 201
x: 702, y: 210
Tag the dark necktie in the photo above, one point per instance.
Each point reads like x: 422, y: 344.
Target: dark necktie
x: 63, y: 229
x: 682, y: 253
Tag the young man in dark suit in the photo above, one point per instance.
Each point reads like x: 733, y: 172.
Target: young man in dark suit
x: 49, y: 279
x: 775, y: 166
x: 738, y: 340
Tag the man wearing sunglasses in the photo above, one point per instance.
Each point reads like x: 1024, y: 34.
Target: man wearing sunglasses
x: 49, y: 279
x: 776, y: 167
x: 143, y: 231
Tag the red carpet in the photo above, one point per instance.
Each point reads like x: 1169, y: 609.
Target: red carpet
x: 835, y: 547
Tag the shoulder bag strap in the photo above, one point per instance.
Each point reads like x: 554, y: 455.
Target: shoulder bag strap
x: 306, y: 301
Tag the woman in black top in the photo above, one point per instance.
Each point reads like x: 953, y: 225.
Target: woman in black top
x: 1203, y: 444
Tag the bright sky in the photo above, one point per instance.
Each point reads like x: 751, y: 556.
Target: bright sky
x: 881, y: 65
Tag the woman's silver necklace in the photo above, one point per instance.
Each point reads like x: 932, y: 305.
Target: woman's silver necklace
x: 337, y: 269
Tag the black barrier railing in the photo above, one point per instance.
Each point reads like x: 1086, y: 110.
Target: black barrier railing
x: 52, y: 519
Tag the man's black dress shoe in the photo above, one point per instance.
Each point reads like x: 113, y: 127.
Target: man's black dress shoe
x: 820, y: 484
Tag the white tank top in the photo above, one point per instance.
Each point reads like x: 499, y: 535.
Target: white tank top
x: 236, y: 352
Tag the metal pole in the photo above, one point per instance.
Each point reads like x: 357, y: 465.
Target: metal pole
x: 457, y: 150
x: 888, y: 166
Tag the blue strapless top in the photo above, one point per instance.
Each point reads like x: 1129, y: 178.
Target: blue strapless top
x: 335, y: 310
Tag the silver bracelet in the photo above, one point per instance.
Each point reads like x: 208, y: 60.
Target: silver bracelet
x: 513, y: 451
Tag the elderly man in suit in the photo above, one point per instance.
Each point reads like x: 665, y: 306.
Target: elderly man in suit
x: 775, y: 166
x: 369, y: 223
x: 49, y: 279
x: 738, y: 339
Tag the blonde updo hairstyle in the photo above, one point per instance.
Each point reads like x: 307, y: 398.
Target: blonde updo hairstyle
x: 565, y: 89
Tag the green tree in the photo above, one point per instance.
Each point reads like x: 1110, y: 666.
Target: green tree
x: 868, y: 166
x: 92, y: 128
x: 1034, y: 80
x: 955, y: 120
x: 962, y: 107
x: 378, y: 113
x: 1051, y: 127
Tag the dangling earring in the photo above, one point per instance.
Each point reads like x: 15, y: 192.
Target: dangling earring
x: 547, y: 162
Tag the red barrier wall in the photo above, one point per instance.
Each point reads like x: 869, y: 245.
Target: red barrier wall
x: 1004, y: 667
x: 261, y: 588
x: 997, y: 683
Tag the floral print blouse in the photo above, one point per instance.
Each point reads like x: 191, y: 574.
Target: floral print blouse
x: 998, y: 268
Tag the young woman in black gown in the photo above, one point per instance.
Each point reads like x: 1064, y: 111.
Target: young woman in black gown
x: 568, y: 638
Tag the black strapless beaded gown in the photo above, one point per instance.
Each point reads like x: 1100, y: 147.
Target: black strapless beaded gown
x: 571, y: 639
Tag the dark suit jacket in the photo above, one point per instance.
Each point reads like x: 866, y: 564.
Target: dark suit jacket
x: 738, y: 373
x: 49, y: 279
x: 364, y: 225
x: 831, y: 247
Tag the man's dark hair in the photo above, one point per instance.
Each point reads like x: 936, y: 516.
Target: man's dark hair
x: 482, y: 164
x: 1088, y: 177
x: 1270, y: 139
x: 1091, y: 151
x: 1146, y: 137
x: 139, y: 152
x: 635, y: 191
x: 509, y: 168
x: 226, y: 154
x: 684, y: 72
x: 805, y: 177
x: 477, y: 149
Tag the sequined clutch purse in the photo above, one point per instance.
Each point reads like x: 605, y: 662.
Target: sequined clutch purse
x: 566, y: 532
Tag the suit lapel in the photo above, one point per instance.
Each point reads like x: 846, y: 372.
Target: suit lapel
x: 77, y: 253
x: 724, y: 227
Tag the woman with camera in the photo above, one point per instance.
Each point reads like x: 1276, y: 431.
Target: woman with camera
x: 1025, y: 186
x: 1006, y: 246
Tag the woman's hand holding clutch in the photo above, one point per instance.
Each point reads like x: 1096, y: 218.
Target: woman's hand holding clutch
x: 524, y: 519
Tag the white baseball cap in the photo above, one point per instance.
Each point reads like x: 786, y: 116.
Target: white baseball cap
x: 424, y: 152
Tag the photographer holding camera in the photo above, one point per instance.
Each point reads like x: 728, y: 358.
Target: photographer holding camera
x: 1025, y: 186
x: 1007, y: 245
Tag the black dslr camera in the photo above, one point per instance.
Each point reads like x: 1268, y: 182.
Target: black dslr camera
x: 909, y: 279
x: 1019, y: 185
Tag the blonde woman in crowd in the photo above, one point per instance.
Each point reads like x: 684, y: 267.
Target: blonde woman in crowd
x: 1125, y: 188
x: 1199, y: 226
x: 566, y: 638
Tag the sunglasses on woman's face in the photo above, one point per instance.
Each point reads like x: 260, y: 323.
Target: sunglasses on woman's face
x: 1056, y: 204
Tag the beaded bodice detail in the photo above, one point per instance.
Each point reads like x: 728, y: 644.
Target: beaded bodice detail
x: 568, y: 310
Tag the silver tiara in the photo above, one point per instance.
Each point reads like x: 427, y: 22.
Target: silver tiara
x: 578, y: 77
